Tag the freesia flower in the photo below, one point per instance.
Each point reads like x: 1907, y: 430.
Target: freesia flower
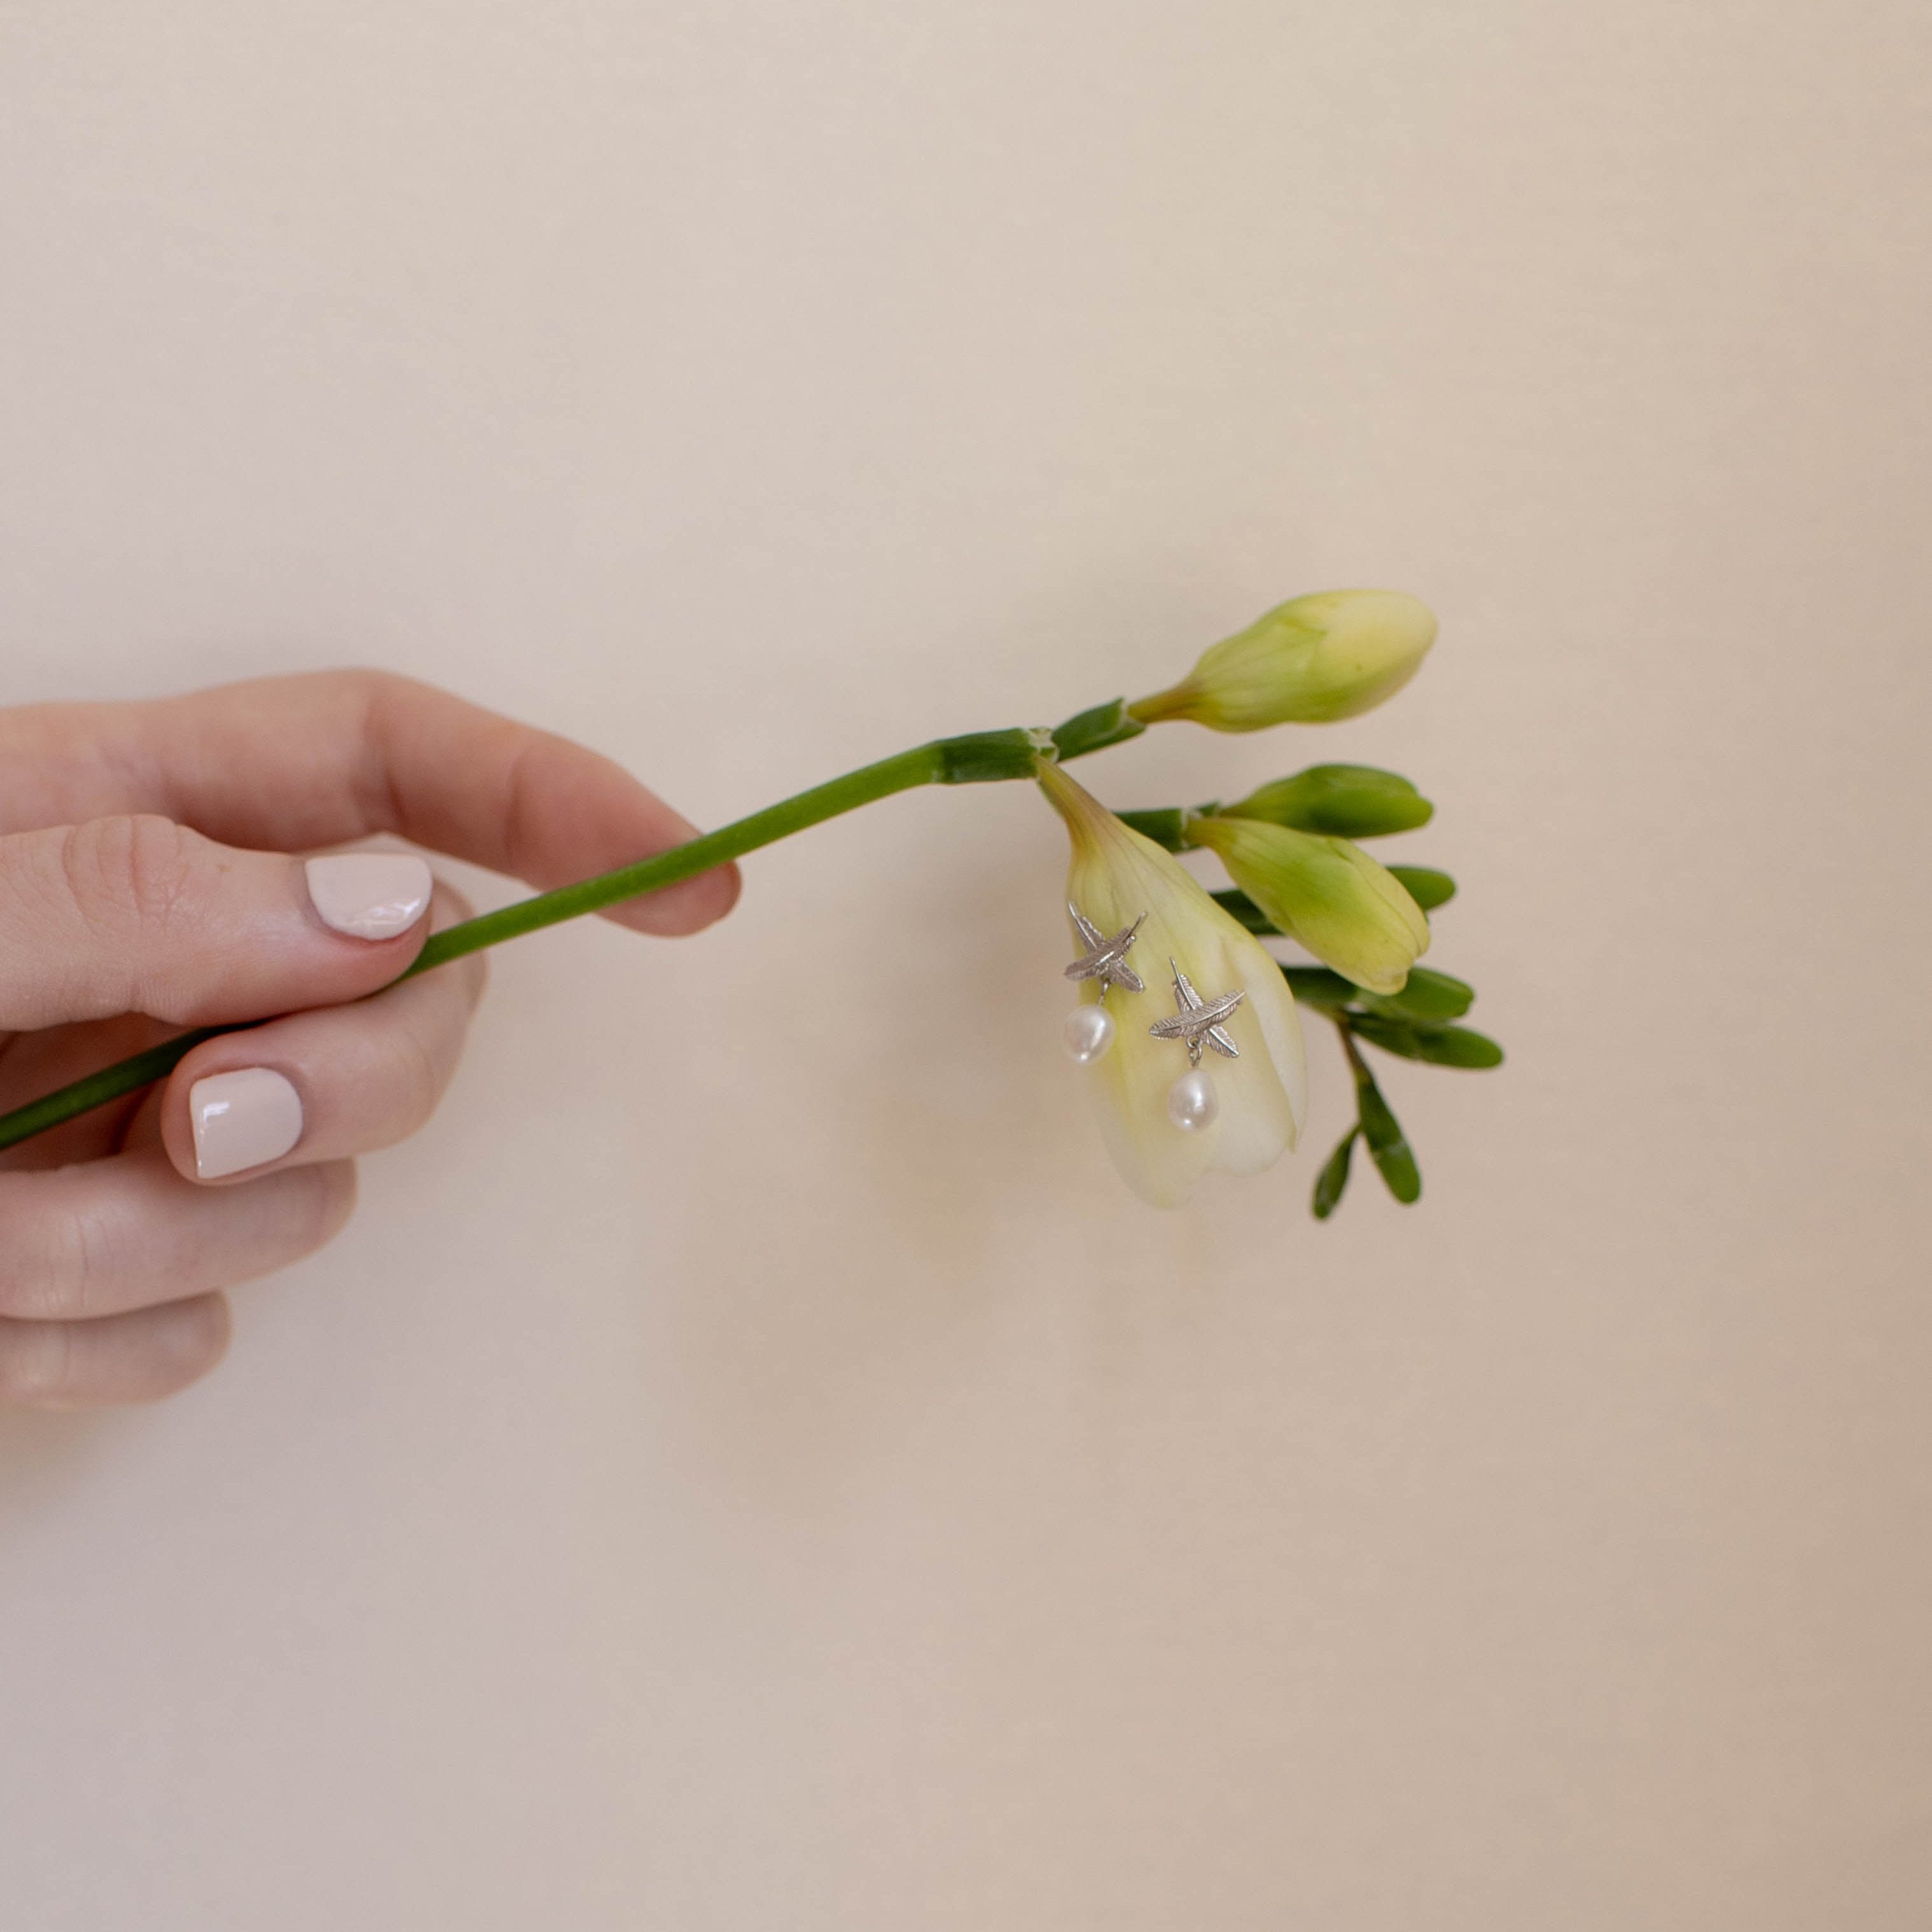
x: 1351, y: 912
x: 1167, y: 1122
x: 1309, y: 662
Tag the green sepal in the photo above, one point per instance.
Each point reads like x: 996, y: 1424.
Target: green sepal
x: 1428, y: 887
x: 1316, y: 986
x: 1388, y: 1147
x: 1095, y: 730
x: 1333, y: 1178
x: 1439, y: 1046
x: 1429, y: 997
x: 982, y: 758
x: 1345, y: 801
x: 1167, y: 827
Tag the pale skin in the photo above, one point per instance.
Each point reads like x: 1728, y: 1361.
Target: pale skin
x: 151, y: 881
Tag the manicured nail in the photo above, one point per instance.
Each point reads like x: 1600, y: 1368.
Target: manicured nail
x: 242, y: 1119
x: 369, y: 895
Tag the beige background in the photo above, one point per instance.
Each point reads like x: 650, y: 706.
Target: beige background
x: 748, y: 1468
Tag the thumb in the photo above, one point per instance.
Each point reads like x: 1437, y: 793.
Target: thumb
x: 139, y: 914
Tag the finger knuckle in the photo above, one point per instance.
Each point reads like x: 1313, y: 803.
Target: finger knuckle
x: 370, y: 681
x: 420, y: 1074
x: 374, y: 697
x: 49, y: 1261
x: 139, y: 865
x: 88, y: 1261
x: 381, y: 695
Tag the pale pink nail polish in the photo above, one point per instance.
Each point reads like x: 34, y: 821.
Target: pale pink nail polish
x: 242, y: 1119
x: 369, y: 895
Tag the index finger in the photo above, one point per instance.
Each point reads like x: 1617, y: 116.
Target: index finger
x: 292, y: 763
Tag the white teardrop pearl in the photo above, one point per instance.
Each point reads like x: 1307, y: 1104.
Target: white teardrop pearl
x: 1088, y: 1033
x: 1191, y: 1101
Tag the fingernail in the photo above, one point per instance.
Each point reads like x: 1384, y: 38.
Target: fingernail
x: 242, y: 1119
x: 369, y: 895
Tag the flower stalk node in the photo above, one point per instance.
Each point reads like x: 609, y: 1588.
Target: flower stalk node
x: 986, y: 757
x: 1094, y: 730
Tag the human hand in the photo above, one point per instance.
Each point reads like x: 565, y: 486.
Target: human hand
x: 147, y: 886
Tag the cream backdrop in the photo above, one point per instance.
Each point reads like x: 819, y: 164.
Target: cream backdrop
x: 749, y: 1465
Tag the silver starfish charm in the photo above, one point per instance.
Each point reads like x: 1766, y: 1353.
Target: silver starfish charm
x: 1198, y: 1020
x: 1105, y: 959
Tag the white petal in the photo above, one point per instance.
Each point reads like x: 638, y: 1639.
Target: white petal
x: 1129, y: 1087
x: 1265, y: 1093
x: 1116, y: 877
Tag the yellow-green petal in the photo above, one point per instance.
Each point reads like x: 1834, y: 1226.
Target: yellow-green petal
x: 1351, y: 912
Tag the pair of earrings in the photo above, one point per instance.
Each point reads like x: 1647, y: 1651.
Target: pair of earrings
x: 1192, y: 1102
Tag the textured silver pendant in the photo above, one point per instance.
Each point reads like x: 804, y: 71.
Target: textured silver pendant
x: 1192, y: 1104
x: 1198, y: 1020
x: 1105, y: 959
x: 1089, y: 1030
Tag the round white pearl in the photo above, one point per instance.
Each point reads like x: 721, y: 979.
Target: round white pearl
x: 1192, y: 1102
x: 1088, y: 1033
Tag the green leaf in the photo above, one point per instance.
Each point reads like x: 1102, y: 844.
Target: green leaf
x: 1440, y: 1046
x: 1333, y: 1178
x: 1346, y: 801
x: 1315, y: 986
x: 1431, y: 998
x: 1428, y: 887
x: 1095, y: 730
x: 1387, y: 1148
x: 1166, y: 827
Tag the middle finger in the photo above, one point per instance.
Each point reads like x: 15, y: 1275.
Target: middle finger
x: 322, y: 1085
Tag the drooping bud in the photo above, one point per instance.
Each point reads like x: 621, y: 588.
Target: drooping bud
x: 1348, y: 801
x: 1329, y: 895
x: 1311, y: 660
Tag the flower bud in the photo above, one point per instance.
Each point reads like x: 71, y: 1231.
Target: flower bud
x: 1309, y: 662
x: 1329, y: 895
x: 1350, y: 801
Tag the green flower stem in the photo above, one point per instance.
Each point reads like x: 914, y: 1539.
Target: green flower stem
x: 978, y: 757
x: 916, y: 767
x: 1358, y: 1067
